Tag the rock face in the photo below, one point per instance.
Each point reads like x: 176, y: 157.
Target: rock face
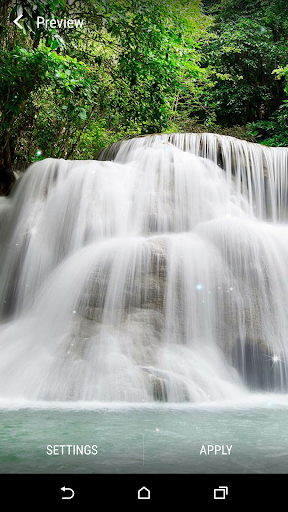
x: 158, y: 382
x: 134, y: 312
x: 261, y: 369
x: 143, y: 289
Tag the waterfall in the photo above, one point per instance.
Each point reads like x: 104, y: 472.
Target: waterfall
x: 157, y: 273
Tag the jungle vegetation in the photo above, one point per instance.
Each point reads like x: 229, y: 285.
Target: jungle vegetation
x: 138, y: 67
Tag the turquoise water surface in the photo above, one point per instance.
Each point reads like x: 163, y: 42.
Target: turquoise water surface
x: 146, y: 438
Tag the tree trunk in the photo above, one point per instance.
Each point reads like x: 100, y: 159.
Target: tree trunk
x: 6, y: 175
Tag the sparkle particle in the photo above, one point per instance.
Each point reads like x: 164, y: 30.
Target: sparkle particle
x: 276, y: 359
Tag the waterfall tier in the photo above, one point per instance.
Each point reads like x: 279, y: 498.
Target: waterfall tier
x: 259, y: 172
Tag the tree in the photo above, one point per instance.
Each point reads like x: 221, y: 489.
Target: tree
x: 22, y: 70
x: 250, y: 41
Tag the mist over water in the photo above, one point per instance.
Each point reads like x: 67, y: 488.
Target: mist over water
x: 159, y: 273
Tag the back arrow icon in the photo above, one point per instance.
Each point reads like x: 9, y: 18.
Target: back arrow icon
x: 16, y: 21
x: 67, y: 497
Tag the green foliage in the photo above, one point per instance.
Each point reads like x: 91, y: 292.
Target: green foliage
x: 54, y: 86
x: 274, y: 132
x: 153, y: 62
x: 245, y: 50
x: 141, y: 64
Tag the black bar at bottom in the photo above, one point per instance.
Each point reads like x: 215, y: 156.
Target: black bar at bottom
x: 193, y: 490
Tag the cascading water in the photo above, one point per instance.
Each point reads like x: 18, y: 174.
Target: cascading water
x: 160, y: 275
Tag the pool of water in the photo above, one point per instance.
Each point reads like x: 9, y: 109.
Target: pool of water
x: 160, y: 438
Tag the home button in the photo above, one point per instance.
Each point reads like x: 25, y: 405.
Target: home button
x: 143, y: 494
